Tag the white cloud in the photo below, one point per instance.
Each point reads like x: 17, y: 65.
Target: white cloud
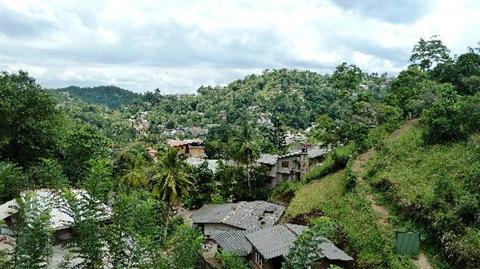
x: 179, y: 45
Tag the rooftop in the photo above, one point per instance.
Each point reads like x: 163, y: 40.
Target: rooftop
x: 177, y: 143
x: 234, y: 241
x: 60, y: 213
x: 275, y: 241
x: 270, y: 159
x: 244, y: 215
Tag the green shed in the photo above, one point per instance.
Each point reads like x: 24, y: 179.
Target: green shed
x: 407, y: 243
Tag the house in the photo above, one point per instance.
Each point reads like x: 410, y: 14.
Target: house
x: 189, y: 148
x: 270, y: 248
x: 61, y: 221
x: 241, y: 216
x: 291, y: 166
x: 211, y: 163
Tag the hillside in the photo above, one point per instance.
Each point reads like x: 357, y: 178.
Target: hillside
x: 293, y: 98
x: 403, y: 185
x: 110, y: 96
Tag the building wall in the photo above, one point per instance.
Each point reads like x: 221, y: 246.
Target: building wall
x: 196, y: 152
x: 215, y: 228
x: 254, y: 260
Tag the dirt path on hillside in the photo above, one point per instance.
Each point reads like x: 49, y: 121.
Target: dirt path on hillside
x: 422, y: 262
x: 358, y: 168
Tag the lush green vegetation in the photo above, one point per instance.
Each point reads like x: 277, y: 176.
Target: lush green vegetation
x: 437, y: 186
x: 110, y: 96
x: 367, y: 241
x: 102, y: 141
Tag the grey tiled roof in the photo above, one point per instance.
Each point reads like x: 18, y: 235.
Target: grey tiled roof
x: 270, y: 159
x: 273, y: 241
x: 331, y: 252
x: 244, y: 215
x: 234, y: 241
x: 277, y: 240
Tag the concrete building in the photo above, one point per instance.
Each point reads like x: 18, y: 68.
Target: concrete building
x: 291, y: 166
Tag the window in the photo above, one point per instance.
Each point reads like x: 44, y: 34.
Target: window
x: 285, y: 164
x: 258, y: 259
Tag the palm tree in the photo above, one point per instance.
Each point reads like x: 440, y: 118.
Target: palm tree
x: 245, y: 148
x: 170, y: 180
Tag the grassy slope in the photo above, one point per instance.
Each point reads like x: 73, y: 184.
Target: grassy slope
x: 415, y: 169
x: 372, y: 244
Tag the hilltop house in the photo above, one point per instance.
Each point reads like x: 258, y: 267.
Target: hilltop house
x: 241, y: 216
x: 291, y: 166
x: 188, y: 148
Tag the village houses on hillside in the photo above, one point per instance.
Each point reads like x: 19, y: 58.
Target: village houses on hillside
x: 251, y: 230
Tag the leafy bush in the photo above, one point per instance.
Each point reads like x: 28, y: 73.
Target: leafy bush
x: 335, y: 160
x: 230, y: 260
x: 285, y: 190
x: 451, y: 118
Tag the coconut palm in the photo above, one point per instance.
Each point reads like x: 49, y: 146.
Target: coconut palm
x: 245, y: 148
x: 170, y: 180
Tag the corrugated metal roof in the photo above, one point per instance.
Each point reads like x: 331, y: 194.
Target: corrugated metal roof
x: 234, y: 241
x: 51, y: 199
x: 273, y: 241
x: 331, y: 252
x: 277, y: 240
x: 245, y: 215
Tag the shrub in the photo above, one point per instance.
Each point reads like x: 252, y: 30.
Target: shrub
x: 335, y: 160
x: 230, y: 260
x: 285, y: 190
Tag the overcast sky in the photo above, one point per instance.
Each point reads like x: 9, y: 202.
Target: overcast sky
x: 179, y: 45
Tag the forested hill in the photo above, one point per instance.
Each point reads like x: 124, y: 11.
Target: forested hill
x: 110, y: 96
x: 292, y: 98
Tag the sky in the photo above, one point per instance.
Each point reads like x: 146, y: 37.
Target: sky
x: 177, y: 46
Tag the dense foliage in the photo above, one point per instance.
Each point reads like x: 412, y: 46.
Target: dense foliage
x: 111, y: 142
x: 110, y: 96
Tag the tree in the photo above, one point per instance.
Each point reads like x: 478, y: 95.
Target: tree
x: 306, y: 249
x: 134, y: 236
x: 89, y: 245
x: 245, y: 149
x: 98, y: 181
x: 184, y: 247
x: 325, y: 131
x: 12, y: 181
x: 170, y: 181
x: 347, y: 78
x: 203, y: 187
x: 46, y: 173
x: 29, y: 120
x: 82, y: 143
x: 429, y: 53
x: 33, y: 233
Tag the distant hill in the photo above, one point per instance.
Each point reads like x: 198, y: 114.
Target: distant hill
x: 110, y: 96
